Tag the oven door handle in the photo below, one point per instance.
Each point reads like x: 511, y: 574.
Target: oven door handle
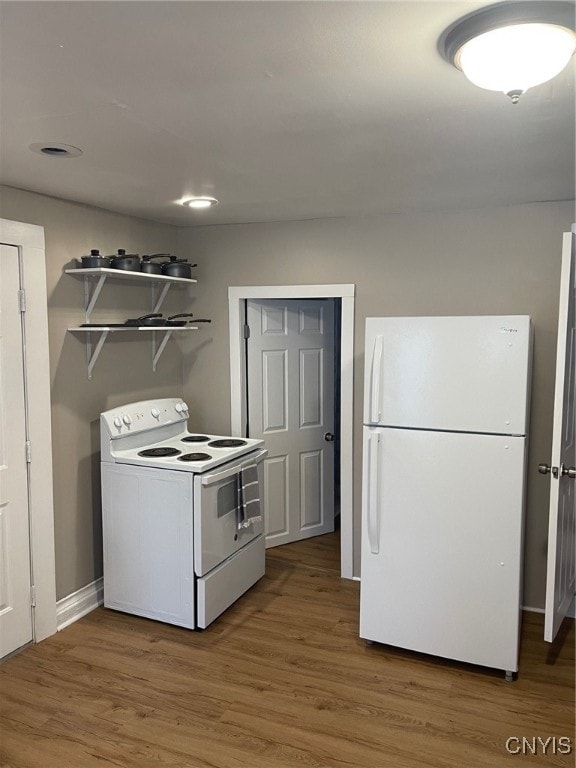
x: 216, y: 477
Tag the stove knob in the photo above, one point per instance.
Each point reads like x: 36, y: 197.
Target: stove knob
x: 185, y: 407
x: 178, y: 407
x: 126, y: 419
x: 117, y: 421
x: 155, y: 412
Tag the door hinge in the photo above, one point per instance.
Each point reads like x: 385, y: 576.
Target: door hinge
x: 28, y: 447
x: 22, y: 300
x: 33, y: 596
x: 246, y: 331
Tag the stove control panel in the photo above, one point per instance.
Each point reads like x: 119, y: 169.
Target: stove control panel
x: 145, y: 415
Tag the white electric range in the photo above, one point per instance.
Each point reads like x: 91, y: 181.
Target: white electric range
x: 179, y: 546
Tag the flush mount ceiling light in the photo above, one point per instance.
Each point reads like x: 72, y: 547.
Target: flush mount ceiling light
x: 512, y: 46
x: 54, y: 149
x: 200, y: 202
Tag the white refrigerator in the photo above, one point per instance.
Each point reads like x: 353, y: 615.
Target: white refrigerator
x: 446, y: 405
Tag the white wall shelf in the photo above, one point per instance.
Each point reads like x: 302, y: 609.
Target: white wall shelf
x: 94, y: 280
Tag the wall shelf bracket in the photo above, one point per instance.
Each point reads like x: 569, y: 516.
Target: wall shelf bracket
x: 91, y: 357
x: 91, y: 296
x: 157, y: 301
x: 104, y: 331
x: 157, y: 349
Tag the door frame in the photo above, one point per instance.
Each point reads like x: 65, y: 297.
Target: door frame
x: 237, y: 295
x: 29, y: 239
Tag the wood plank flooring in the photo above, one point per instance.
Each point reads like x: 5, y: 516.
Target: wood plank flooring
x: 281, y: 680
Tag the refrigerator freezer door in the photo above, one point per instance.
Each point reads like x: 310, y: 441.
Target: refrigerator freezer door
x: 444, y: 577
x: 465, y: 374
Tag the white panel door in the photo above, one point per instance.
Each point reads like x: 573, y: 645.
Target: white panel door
x: 290, y: 372
x: 442, y: 521
x: 15, y: 604
x: 467, y: 374
x: 560, y: 580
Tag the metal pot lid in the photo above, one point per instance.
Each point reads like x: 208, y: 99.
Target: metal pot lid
x: 122, y: 252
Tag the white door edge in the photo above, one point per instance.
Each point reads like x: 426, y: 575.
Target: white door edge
x: 29, y: 238
x: 560, y: 583
x: 236, y: 296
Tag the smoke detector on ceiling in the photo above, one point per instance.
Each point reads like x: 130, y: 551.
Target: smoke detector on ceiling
x: 55, y: 149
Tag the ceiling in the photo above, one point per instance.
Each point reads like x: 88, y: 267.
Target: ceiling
x: 281, y: 110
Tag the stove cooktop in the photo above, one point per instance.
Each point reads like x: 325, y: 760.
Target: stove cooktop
x: 175, y: 452
x: 154, y: 433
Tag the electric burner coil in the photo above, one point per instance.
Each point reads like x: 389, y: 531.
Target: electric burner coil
x: 195, y: 457
x: 229, y: 442
x: 157, y: 453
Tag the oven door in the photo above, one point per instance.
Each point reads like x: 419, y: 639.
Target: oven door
x: 216, y: 513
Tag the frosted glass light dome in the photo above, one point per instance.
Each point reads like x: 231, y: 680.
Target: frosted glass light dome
x: 512, y: 46
x: 515, y: 58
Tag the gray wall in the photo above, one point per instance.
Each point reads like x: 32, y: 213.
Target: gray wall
x: 488, y: 261
x: 122, y: 374
x: 504, y: 260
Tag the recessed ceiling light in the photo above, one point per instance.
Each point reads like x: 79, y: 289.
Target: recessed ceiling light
x: 200, y: 202
x: 55, y: 149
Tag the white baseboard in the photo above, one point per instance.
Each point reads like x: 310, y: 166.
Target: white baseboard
x: 78, y: 604
x: 571, y: 610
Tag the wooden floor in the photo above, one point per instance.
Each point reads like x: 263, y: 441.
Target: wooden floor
x: 282, y: 679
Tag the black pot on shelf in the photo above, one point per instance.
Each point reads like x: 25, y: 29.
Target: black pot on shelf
x: 95, y: 260
x: 147, y: 265
x: 178, y: 268
x: 127, y: 261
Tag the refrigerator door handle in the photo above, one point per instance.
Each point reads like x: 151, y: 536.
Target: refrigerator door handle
x: 373, y: 506
x: 375, y: 412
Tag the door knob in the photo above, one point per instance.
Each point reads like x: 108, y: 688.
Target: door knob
x: 544, y: 469
x: 570, y: 471
x: 329, y: 437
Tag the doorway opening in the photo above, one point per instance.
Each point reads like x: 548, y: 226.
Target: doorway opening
x: 237, y: 298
